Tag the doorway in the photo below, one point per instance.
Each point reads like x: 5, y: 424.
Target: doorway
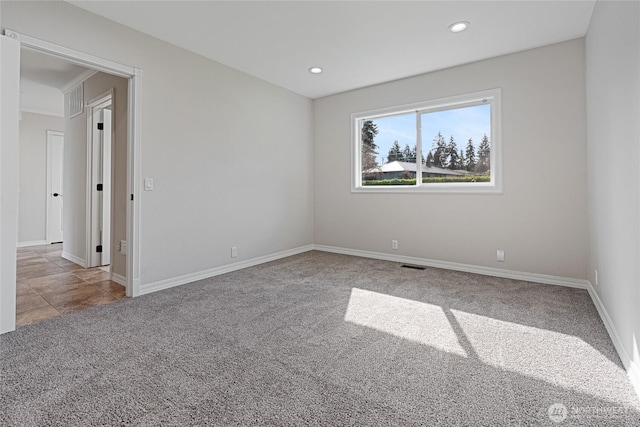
x: 49, y: 281
x: 12, y: 42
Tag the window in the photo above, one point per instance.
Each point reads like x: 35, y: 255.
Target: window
x: 449, y: 145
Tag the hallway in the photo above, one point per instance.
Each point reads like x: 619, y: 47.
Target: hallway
x: 48, y: 285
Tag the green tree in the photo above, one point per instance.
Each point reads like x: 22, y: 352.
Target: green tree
x: 409, y: 154
x: 440, y: 151
x: 429, y: 160
x: 484, y: 155
x: 470, y: 156
x: 463, y: 159
x: 369, y: 147
x: 452, y: 154
x: 395, y: 153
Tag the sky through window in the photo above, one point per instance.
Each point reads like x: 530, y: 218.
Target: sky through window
x: 463, y: 123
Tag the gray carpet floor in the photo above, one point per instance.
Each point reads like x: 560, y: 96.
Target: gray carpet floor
x: 323, y: 339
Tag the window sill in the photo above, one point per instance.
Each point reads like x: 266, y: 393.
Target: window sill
x: 462, y: 188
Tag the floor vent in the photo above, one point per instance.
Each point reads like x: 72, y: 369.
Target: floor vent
x: 414, y: 267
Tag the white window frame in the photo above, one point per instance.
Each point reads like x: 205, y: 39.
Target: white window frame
x: 492, y: 96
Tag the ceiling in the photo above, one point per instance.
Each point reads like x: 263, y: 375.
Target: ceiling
x: 357, y: 43
x: 48, y: 70
x: 42, y: 78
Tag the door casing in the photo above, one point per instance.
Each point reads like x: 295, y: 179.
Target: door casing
x: 9, y: 135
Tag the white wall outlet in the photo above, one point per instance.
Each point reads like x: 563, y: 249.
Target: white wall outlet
x: 394, y: 244
x: 234, y: 251
x: 123, y: 247
x: 595, y: 276
x: 500, y: 255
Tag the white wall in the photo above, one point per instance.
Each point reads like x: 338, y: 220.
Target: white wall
x: 32, y: 179
x: 231, y: 155
x: 613, y: 112
x: 42, y: 99
x: 540, y: 220
x: 75, y: 180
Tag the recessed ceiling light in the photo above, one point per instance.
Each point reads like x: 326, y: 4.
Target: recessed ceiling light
x: 315, y: 70
x: 458, y: 26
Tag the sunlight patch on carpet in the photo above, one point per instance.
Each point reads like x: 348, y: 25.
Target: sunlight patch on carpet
x: 537, y: 353
x: 404, y: 318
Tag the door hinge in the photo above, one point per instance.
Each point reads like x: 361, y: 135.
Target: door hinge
x: 100, y: 126
x: 99, y: 187
x: 132, y: 197
x: 99, y: 248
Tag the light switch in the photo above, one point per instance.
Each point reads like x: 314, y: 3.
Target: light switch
x: 148, y: 184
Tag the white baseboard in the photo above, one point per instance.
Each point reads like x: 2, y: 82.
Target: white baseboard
x: 192, y: 277
x: 73, y: 258
x: 120, y: 280
x: 633, y: 370
x: 32, y: 243
x: 487, y: 271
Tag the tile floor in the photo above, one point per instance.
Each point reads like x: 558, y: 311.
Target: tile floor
x: 49, y: 285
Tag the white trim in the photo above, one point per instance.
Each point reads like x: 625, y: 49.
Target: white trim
x: 487, y: 271
x: 41, y: 111
x: 633, y: 370
x: 80, y: 79
x: 134, y: 178
x: 74, y: 259
x: 134, y: 75
x: 73, y: 56
x: 32, y: 243
x: 119, y: 279
x: 9, y: 154
x: 192, y: 277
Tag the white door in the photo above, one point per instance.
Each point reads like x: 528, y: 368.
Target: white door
x: 100, y: 237
x: 55, y: 164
